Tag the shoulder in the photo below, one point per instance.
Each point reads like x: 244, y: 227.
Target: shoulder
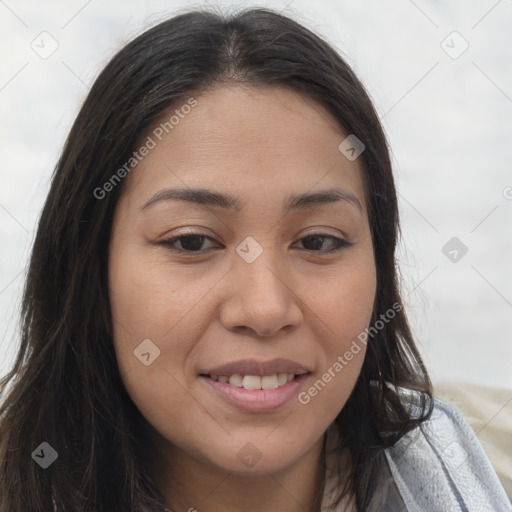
x: 440, y: 465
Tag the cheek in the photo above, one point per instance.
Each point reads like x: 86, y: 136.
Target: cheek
x: 345, y: 300
x: 157, y: 320
x: 343, y: 307
x: 139, y: 306
x: 148, y: 299
x: 148, y: 306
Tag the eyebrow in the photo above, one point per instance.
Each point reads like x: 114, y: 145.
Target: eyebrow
x: 293, y: 202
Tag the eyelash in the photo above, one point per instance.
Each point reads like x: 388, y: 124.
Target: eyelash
x: 169, y: 243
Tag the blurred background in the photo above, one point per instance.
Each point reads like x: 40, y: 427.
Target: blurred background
x: 440, y: 75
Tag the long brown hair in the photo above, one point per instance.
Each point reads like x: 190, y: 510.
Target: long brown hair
x: 65, y: 384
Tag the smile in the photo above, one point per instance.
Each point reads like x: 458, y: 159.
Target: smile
x: 253, y: 393
x: 255, y: 381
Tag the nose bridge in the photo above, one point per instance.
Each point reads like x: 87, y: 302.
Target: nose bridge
x: 259, y: 268
x: 263, y: 299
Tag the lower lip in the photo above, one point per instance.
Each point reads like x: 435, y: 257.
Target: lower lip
x: 257, y: 400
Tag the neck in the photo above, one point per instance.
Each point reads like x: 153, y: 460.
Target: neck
x: 190, y: 485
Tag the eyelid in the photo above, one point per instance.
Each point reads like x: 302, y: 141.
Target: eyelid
x: 172, y: 239
x: 319, y: 231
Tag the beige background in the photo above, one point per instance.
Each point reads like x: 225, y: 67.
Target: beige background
x: 491, y: 420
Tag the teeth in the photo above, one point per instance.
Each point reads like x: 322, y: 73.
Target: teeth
x: 269, y: 382
x: 236, y: 380
x: 282, y: 379
x: 251, y: 382
x: 255, y: 381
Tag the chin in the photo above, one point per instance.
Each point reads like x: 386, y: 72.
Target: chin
x: 258, y: 455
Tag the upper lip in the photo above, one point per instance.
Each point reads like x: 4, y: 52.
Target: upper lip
x: 255, y: 367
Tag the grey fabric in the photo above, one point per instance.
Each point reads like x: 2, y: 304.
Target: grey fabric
x: 439, y: 466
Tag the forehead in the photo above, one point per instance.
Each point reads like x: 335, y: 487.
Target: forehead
x: 268, y: 139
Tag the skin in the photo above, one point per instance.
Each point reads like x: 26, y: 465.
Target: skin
x: 202, y: 309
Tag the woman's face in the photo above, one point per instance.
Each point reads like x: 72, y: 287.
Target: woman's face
x: 256, y: 292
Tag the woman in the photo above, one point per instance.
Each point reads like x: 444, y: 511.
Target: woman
x: 273, y: 369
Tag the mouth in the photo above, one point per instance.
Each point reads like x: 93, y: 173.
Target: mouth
x: 254, y: 382
x: 252, y: 386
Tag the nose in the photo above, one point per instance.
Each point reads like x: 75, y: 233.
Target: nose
x: 262, y: 299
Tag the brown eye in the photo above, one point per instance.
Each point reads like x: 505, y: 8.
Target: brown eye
x: 193, y: 243
x: 190, y: 243
x: 316, y: 242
